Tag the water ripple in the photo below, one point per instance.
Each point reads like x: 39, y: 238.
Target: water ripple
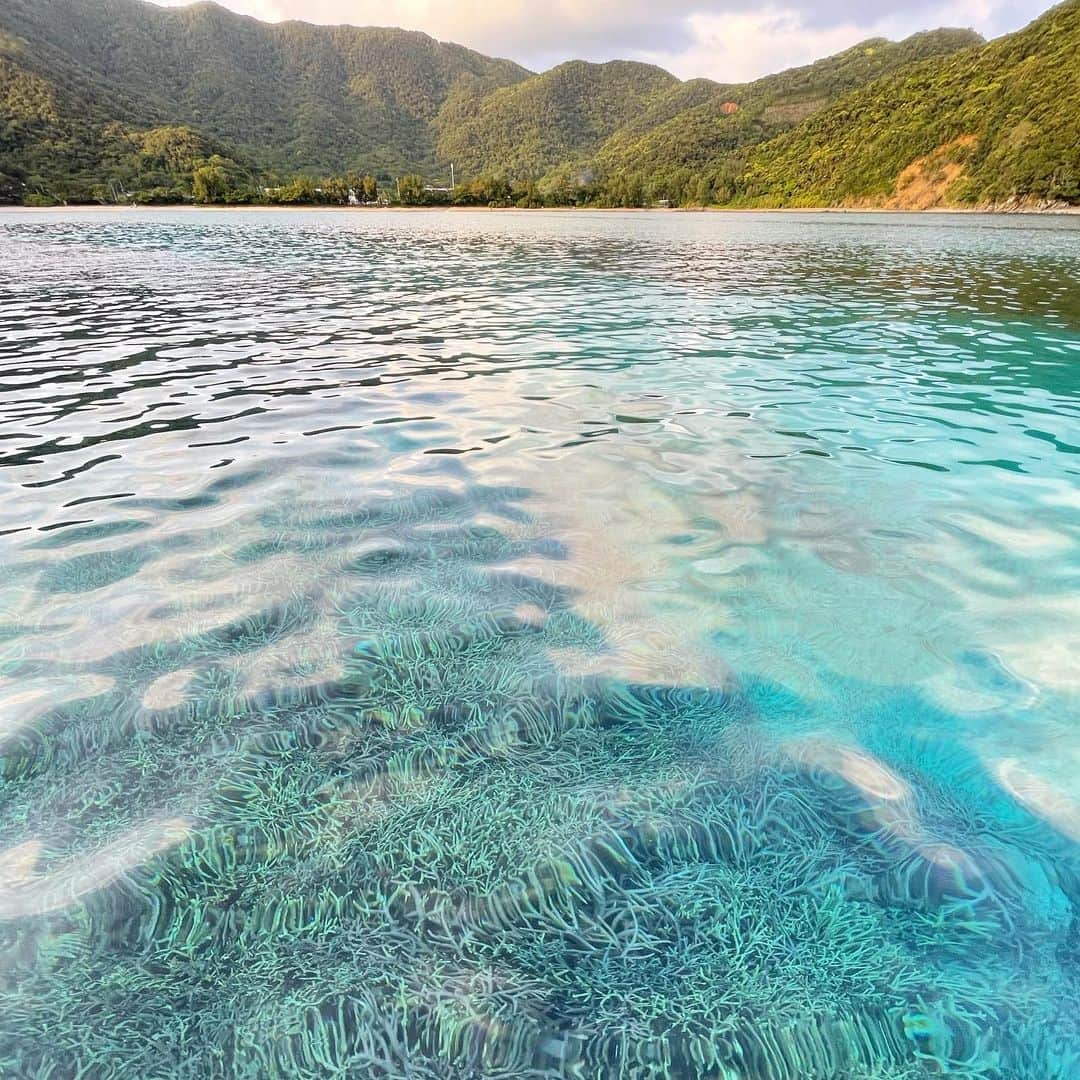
x: 541, y: 645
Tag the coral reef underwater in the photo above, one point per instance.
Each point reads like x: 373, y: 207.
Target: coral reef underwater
x: 442, y: 856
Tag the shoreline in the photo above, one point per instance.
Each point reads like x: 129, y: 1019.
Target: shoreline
x: 1062, y: 211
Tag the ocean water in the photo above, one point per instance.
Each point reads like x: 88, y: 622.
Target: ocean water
x: 539, y: 645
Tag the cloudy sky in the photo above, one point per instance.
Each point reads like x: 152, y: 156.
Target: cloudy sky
x: 728, y: 40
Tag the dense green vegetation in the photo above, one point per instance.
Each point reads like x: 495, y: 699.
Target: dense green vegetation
x: 565, y: 114
x: 120, y: 100
x: 286, y: 98
x: 711, y: 135
x: 638, y: 126
x: 1006, y: 117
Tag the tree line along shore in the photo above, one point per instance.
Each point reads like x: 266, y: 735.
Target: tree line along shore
x: 124, y: 102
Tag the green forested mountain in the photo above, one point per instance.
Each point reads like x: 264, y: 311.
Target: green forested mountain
x: 120, y: 99
x: 565, y: 114
x: 710, y: 132
x: 623, y: 116
x: 982, y: 126
x: 289, y: 96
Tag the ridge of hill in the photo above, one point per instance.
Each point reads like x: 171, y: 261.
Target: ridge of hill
x: 286, y: 96
x: 109, y: 100
x: 728, y: 118
x: 985, y: 126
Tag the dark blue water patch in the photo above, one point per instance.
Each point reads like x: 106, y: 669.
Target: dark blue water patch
x: 94, y: 570
x: 79, y: 533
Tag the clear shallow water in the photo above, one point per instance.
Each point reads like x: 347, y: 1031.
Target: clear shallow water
x: 460, y: 645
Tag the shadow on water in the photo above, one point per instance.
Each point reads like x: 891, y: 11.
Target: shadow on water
x: 444, y: 856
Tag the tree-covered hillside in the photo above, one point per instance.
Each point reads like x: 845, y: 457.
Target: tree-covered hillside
x: 563, y: 115
x: 288, y: 96
x: 982, y: 126
x: 710, y: 132
x: 122, y: 100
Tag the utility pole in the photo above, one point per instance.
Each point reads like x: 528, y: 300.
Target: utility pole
x: 452, y: 184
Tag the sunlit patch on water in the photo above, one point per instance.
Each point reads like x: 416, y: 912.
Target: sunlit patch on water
x: 539, y: 646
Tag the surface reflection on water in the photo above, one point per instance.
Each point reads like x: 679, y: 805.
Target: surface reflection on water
x: 539, y: 645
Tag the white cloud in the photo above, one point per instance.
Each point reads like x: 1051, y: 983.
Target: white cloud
x: 737, y: 46
x: 728, y: 40
x: 742, y: 46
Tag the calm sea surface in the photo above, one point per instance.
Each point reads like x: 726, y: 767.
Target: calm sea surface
x: 539, y: 645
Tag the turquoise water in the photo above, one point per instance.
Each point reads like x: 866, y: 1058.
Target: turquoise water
x: 539, y: 645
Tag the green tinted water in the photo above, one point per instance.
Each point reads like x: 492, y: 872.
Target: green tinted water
x: 539, y: 645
